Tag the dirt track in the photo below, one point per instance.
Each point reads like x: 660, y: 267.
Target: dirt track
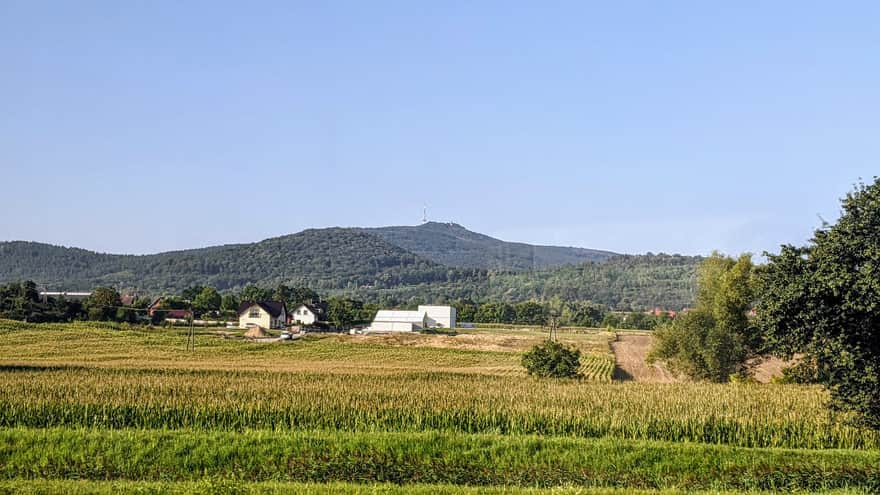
x: 630, y: 353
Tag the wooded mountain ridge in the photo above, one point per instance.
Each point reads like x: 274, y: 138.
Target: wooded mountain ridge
x: 432, y: 262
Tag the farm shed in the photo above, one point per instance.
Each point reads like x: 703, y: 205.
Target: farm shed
x: 407, y: 321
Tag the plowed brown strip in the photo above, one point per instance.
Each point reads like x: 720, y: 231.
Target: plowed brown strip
x: 630, y: 354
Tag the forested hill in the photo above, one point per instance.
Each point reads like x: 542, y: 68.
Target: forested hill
x: 358, y: 263
x: 453, y: 245
x: 321, y: 259
x: 636, y: 282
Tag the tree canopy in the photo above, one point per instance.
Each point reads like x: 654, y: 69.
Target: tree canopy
x: 823, y: 299
x: 714, y: 339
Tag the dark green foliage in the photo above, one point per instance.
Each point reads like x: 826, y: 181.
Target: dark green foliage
x: 104, y: 304
x: 343, y: 312
x: 354, y: 263
x: 626, y: 283
x: 824, y: 300
x: 21, y: 301
x: 322, y: 259
x: 552, y: 360
x: 453, y: 245
x: 714, y: 340
x: 207, y: 300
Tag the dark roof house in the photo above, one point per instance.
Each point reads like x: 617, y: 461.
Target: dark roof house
x: 274, y: 308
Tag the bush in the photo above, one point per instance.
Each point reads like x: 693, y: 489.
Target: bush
x: 552, y: 359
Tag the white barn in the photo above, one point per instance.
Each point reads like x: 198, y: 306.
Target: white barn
x: 410, y: 321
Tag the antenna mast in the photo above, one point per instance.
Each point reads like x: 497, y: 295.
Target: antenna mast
x: 425, y: 214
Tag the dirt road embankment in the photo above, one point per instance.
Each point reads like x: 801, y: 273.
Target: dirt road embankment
x: 631, y: 353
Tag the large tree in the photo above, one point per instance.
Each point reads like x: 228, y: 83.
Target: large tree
x: 823, y: 300
x: 715, y: 339
x: 207, y: 300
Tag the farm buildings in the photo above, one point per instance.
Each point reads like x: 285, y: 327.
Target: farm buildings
x: 410, y: 321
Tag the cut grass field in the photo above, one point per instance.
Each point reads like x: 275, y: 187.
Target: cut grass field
x: 130, y: 408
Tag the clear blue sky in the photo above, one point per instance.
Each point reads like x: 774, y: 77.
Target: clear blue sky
x: 141, y: 126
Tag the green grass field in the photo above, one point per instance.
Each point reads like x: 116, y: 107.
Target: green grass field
x: 112, y: 409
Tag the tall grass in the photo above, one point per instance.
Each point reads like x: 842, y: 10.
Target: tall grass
x: 224, y: 486
x: 478, y: 460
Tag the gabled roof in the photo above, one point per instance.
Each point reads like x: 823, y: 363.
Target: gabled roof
x: 315, y: 308
x: 274, y: 308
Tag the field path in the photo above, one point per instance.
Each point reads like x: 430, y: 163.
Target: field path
x: 630, y: 354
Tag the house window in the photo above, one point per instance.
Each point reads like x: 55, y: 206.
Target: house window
x: 254, y: 313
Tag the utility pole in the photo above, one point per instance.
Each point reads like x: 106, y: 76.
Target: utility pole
x: 191, y: 333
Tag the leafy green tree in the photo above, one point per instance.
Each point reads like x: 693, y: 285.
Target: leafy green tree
x: 714, y: 340
x: 824, y: 300
x: 105, y: 297
x: 552, y: 360
x: 254, y: 293
x: 207, y: 300
x: 229, y: 303
x: 28, y: 291
x: 282, y: 293
x: 465, y: 310
x: 342, y: 312
x: 531, y: 313
x: 612, y: 320
x: 302, y: 295
x: 190, y: 293
x: 103, y: 303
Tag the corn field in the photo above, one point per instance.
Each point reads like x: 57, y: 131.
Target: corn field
x: 86, y: 401
x: 742, y: 415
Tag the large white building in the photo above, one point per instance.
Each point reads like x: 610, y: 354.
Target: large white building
x: 439, y: 316
x: 409, y: 321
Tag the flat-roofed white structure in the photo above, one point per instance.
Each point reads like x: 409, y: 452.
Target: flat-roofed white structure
x: 439, y: 316
x: 71, y: 296
x: 387, y: 320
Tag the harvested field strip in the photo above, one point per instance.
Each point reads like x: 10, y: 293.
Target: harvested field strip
x: 421, y: 458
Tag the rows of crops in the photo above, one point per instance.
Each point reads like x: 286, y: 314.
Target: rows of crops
x: 745, y: 415
x: 597, y: 368
x: 106, y: 402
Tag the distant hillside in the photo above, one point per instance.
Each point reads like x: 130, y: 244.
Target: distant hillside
x: 371, y: 264
x: 623, y: 282
x: 321, y: 259
x: 451, y: 244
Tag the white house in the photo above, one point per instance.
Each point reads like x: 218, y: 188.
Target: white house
x: 307, y: 314
x: 265, y: 314
x: 409, y: 321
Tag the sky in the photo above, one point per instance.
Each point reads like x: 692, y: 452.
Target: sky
x: 632, y: 126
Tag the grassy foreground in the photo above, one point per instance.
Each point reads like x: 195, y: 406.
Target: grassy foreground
x: 228, y: 486
x: 435, y: 458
